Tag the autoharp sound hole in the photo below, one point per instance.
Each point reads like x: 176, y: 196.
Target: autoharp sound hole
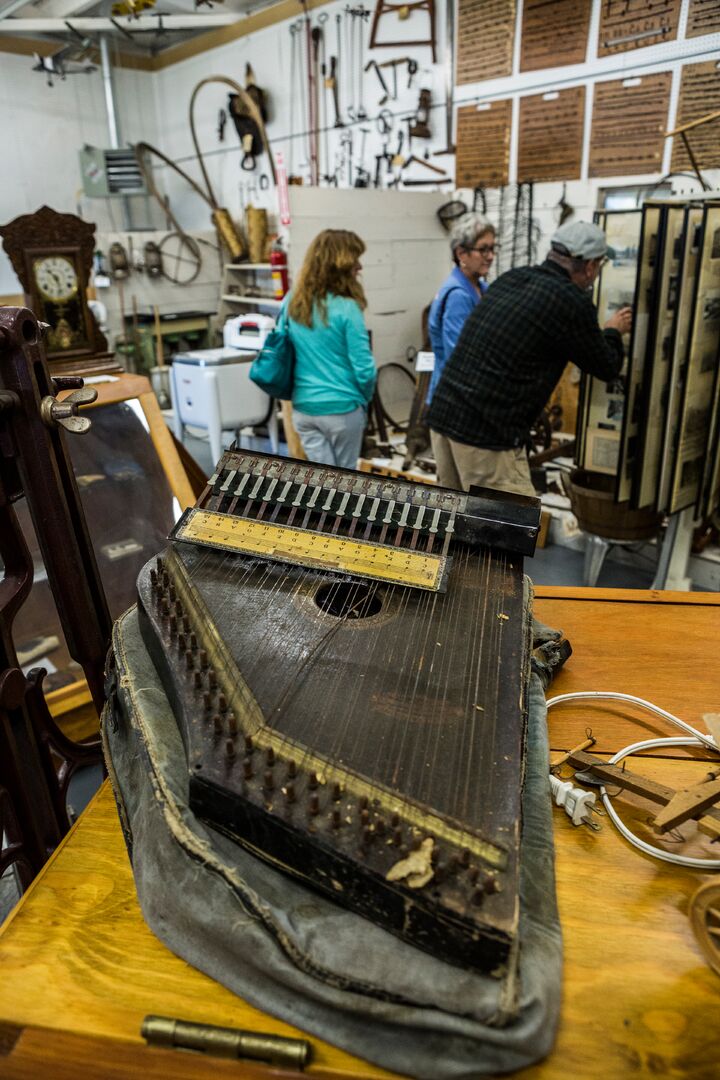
x: 348, y: 600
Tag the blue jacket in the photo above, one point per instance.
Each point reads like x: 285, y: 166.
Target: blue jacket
x: 455, y: 299
x: 334, y: 367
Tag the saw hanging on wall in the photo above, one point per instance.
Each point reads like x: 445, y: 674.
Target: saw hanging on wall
x: 403, y: 11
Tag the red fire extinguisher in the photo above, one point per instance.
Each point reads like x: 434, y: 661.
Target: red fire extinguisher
x: 278, y: 262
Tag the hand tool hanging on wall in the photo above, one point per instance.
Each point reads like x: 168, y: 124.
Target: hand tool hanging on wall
x: 336, y: 68
x: 394, y: 65
x: 361, y: 14
x: 297, y: 93
x: 311, y: 96
x: 331, y: 83
x: 385, y: 92
x: 316, y: 36
x: 449, y: 147
x: 402, y: 11
x: 421, y: 126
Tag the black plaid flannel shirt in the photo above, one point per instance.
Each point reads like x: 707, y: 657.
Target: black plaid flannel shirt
x: 511, y: 353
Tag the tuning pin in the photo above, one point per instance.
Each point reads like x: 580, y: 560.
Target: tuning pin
x: 336, y: 792
x: 181, y: 643
x: 222, y: 703
x: 313, y: 804
x: 247, y: 769
x: 232, y: 723
x: 491, y: 885
x: 203, y: 658
x: 397, y: 837
x: 312, y: 781
x: 336, y: 818
x: 477, y: 897
x: 193, y: 642
x: 268, y: 781
x: 465, y: 857
x: 197, y: 680
x: 230, y: 749
x: 217, y: 723
x: 249, y: 745
x: 292, y: 769
x: 189, y: 663
x: 270, y: 757
x: 290, y: 792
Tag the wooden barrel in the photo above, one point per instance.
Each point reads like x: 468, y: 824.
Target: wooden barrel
x: 593, y: 504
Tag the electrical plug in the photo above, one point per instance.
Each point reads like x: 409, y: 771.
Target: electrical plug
x: 576, y: 803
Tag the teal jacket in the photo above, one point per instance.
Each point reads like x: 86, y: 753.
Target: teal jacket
x: 334, y: 367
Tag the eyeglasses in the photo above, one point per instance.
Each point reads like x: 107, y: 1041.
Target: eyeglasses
x: 484, y: 249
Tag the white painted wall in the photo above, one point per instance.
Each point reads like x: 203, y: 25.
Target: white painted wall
x: 43, y: 128
x: 406, y: 255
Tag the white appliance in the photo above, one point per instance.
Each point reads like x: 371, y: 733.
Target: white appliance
x: 211, y: 389
x: 247, y: 331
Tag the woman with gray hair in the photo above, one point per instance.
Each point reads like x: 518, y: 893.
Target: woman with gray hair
x: 472, y: 245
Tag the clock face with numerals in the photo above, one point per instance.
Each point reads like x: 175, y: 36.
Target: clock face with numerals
x: 56, y: 277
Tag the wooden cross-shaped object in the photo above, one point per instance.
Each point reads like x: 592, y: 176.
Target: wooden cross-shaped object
x: 697, y: 802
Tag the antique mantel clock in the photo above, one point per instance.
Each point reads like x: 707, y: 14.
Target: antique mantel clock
x: 52, y: 254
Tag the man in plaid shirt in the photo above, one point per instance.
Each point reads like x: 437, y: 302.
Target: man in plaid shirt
x: 510, y: 355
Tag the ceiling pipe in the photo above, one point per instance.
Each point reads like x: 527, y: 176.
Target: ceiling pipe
x: 109, y: 95
x: 90, y: 25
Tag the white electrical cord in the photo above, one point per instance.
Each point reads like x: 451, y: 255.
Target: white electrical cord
x: 697, y: 737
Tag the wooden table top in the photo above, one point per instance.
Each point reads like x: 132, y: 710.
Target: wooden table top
x: 80, y: 969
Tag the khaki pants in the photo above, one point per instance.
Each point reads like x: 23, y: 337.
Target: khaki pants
x: 460, y: 466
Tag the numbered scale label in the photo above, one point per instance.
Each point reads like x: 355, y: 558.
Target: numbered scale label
x: 302, y: 547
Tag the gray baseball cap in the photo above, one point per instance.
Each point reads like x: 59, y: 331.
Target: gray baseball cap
x: 582, y: 240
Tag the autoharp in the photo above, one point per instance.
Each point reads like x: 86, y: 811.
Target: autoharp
x: 347, y: 656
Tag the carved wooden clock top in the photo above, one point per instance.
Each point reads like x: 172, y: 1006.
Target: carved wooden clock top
x: 52, y: 253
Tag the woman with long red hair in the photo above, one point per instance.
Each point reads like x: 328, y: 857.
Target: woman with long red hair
x: 335, y: 371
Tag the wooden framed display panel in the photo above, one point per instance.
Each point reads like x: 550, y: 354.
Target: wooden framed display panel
x: 554, y: 33
x: 603, y: 404
x: 635, y: 24
x: 636, y: 144
x: 703, y: 18
x: 483, y: 144
x: 551, y: 135
x: 699, y: 398
x: 699, y: 96
x: 485, y: 37
x: 659, y: 357
x: 686, y: 294
x: 645, y: 285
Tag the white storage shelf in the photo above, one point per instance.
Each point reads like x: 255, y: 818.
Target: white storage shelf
x: 236, y: 298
